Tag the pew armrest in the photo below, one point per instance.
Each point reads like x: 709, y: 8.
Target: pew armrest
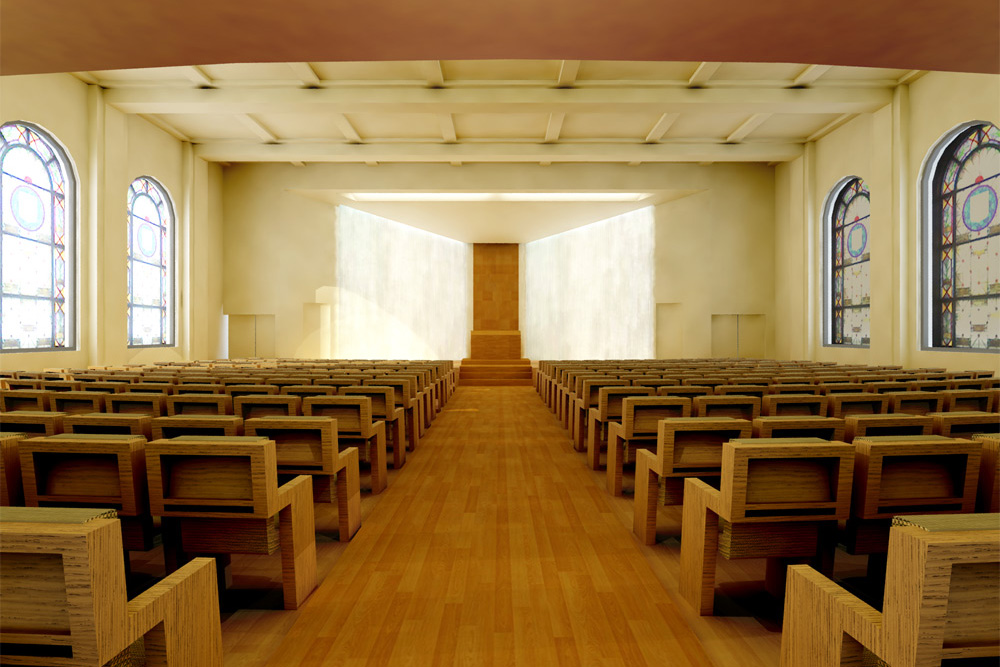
x: 179, y: 617
x: 818, y: 614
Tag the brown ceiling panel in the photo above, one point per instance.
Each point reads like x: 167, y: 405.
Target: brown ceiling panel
x: 69, y: 35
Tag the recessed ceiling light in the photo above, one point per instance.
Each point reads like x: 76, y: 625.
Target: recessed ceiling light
x: 497, y: 196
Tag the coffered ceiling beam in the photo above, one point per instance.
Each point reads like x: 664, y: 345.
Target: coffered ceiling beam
x: 568, y: 70
x: 704, y: 72
x: 487, y: 100
x: 326, y: 151
x: 810, y: 74
x: 662, y: 127
x: 305, y: 73
x: 747, y: 126
x: 554, y: 127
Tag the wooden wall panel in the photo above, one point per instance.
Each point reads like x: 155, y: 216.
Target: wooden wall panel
x: 495, y: 287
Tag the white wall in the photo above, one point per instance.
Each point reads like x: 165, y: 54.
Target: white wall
x: 108, y: 150
x: 588, y: 293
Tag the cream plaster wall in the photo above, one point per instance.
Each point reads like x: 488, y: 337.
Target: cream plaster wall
x: 715, y: 256
x: 887, y: 149
x: 279, y: 251
x: 109, y: 150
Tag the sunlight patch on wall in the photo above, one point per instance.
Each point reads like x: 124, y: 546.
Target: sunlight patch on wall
x: 402, y: 293
x: 589, y: 292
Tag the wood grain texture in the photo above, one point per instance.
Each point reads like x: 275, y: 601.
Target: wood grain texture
x: 11, y: 492
x: 100, y: 422
x: 495, y: 288
x: 937, y: 586
x: 63, y: 585
x: 32, y: 422
x: 495, y: 546
x: 989, y: 474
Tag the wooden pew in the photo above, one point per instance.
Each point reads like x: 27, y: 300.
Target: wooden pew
x: 898, y: 475
x: 199, y: 404
x: 963, y: 424
x: 777, y: 499
x: 78, y: 402
x: 88, y: 470
x: 354, y: 424
x: 249, y: 406
x: 988, y: 498
x: 793, y: 405
x: 309, y: 446
x: 867, y: 403
x: 825, y: 428
x: 637, y: 429
x: 102, y: 422
x: 221, y: 496
x: 965, y: 400
x: 690, y: 447
x: 34, y: 400
x: 62, y: 579
x: 942, y: 573
x: 199, y: 388
x: 404, y: 397
x: 11, y: 490
x: 737, y: 406
x: 608, y: 410
x: 587, y: 398
x: 211, y: 425
x: 31, y: 422
x: 915, y: 402
x: 857, y: 426
x: 384, y: 409
x: 303, y: 390
x: 137, y: 403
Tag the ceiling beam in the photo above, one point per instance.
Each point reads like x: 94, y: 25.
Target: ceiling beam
x: 829, y: 127
x: 568, y: 70
x: 257, y: 128
x: 662, y: 127
x: 704, y: 72
x: 198, y: 76
x: 746, y: 127
x: 433, y: 73
x: 810, y: 74
x: 448, y: 132
x: 910, y: 76
x: 346, y: 128
x: 329, y: 151
x: 87, y: 77
x: 305, y: 73
x: 554, y: 127
x: 387, y: 99
x: 166, y: 127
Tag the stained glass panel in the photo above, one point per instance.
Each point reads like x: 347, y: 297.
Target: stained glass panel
x: 35, y: 247
x: 150, y: 272
x: 966, y: 238
x: 851, y: 252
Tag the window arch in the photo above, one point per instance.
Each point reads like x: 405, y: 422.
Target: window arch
x: 848, y: 215
x: 37, y: 194
x: 150, y: 264
x: 963, y: 240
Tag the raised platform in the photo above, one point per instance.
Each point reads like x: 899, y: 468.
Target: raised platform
x: 496, y: 345
x: 495, y: 372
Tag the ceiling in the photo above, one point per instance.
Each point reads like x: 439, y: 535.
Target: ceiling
x: 69, y: 35
x: 508, y: 114
x: 507, y: 111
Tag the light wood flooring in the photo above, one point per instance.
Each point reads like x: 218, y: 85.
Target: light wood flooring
x: 495, y: 545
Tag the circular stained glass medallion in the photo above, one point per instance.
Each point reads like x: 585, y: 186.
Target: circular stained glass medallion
x: 27, y: 207
x: 146, y: 237
x: 980, y: 208
x: 857, y: 240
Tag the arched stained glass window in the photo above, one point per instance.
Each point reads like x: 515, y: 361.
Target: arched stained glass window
x: 965, y: 242
x: 850, y: 252
x: 150, y: 264
x: 37, y: 190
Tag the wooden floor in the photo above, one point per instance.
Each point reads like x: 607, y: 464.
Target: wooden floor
x: 495, y: 545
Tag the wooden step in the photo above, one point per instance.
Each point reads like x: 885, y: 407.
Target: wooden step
x: 495, y: 372
x: 494, y: 382
x: 499, y: 362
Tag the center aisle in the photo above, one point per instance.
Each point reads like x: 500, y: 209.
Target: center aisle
x: 493, y: 545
